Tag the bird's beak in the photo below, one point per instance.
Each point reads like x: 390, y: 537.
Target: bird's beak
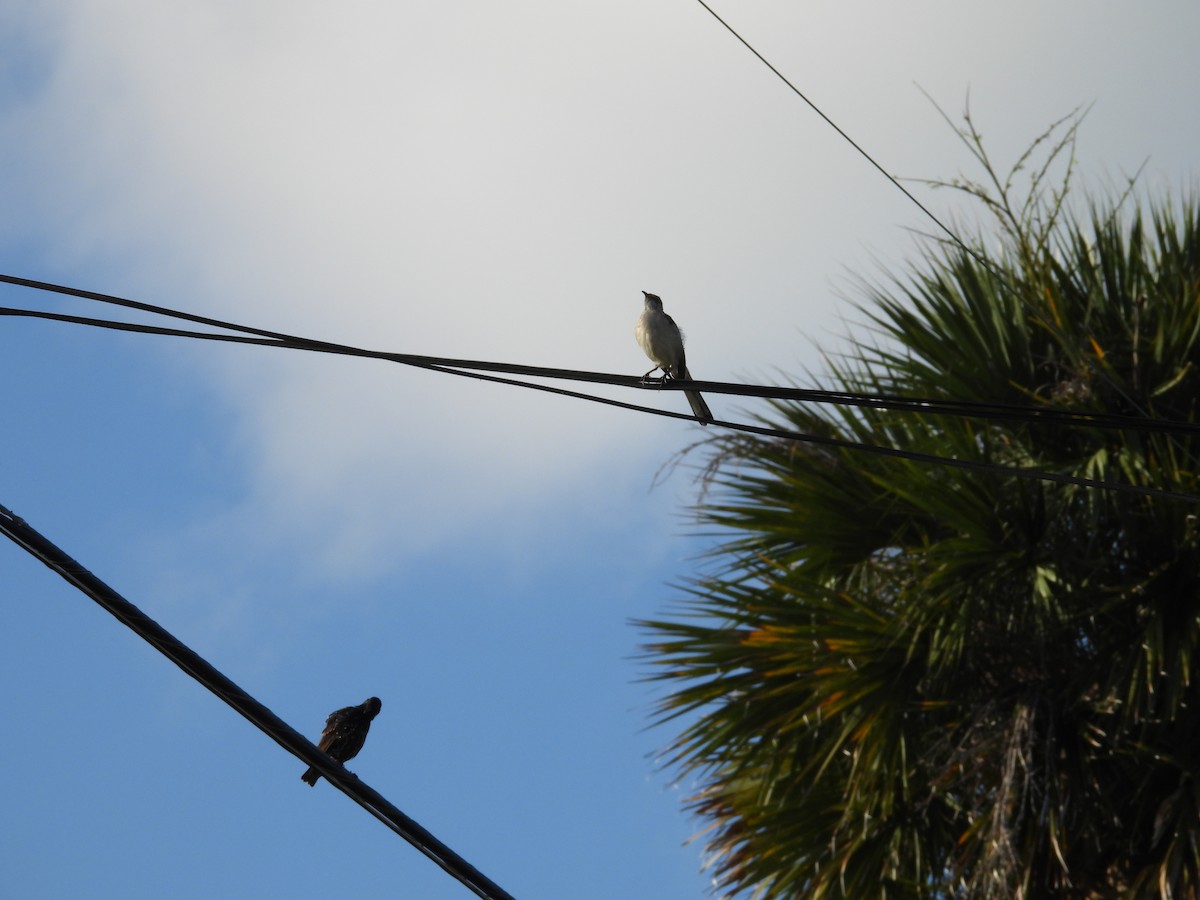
x: 645, y: 293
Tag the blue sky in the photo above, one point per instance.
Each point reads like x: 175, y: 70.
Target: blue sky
x: 495, y: 181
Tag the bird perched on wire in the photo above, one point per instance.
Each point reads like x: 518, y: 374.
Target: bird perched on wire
x: 344, y: 734
x: 662, y: 340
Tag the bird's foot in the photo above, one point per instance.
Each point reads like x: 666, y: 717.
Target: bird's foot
x: 646, y: 379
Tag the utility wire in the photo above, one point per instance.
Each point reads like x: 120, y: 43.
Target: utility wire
x: 1047, y: 415
x: 832, y: 124
x: 475, y: 369
x: 24, y: 536
x: 962, y: 408
x: 269, y: 338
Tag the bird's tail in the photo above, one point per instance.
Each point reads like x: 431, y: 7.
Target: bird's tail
x: 310, y: 777
x: 699, y: 408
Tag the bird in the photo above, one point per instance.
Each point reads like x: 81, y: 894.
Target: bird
x: 662, y: 340
x: 345, y: 731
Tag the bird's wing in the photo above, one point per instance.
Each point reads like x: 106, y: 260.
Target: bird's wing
x: 337, y: 722
x: 682, y: 336
x: 335, y: 729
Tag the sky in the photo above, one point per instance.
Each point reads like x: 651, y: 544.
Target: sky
x: 472, y: 180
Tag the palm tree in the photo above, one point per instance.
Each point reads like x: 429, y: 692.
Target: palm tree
x: 911, y: 680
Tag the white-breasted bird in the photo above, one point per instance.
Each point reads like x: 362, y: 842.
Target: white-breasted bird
x: 662, y: 340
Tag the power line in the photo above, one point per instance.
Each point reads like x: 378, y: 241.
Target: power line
x: 265, y: 337
x: 1048, y: 415
x: 27, y: 538
x: 481, y: 370
x: 832, y: 124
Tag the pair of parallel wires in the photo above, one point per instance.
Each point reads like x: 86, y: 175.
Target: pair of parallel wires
x: 514, y: 374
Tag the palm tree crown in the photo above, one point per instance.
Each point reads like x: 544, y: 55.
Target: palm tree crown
x: 918, y: 681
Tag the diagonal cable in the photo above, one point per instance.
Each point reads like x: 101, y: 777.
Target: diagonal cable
x: 27, y: 538
x: 853, y: 143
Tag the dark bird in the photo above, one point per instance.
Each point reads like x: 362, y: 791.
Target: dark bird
x: 344, y: 734
x: 661, y: 339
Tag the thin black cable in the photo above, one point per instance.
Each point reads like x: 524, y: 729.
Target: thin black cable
x: 447, y: 366
x: 51, y: 288
x: 27, y: 538
x: 954, y: 238
x: 999, y: 411
x: 832, y: 124
x: 843, y: 444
